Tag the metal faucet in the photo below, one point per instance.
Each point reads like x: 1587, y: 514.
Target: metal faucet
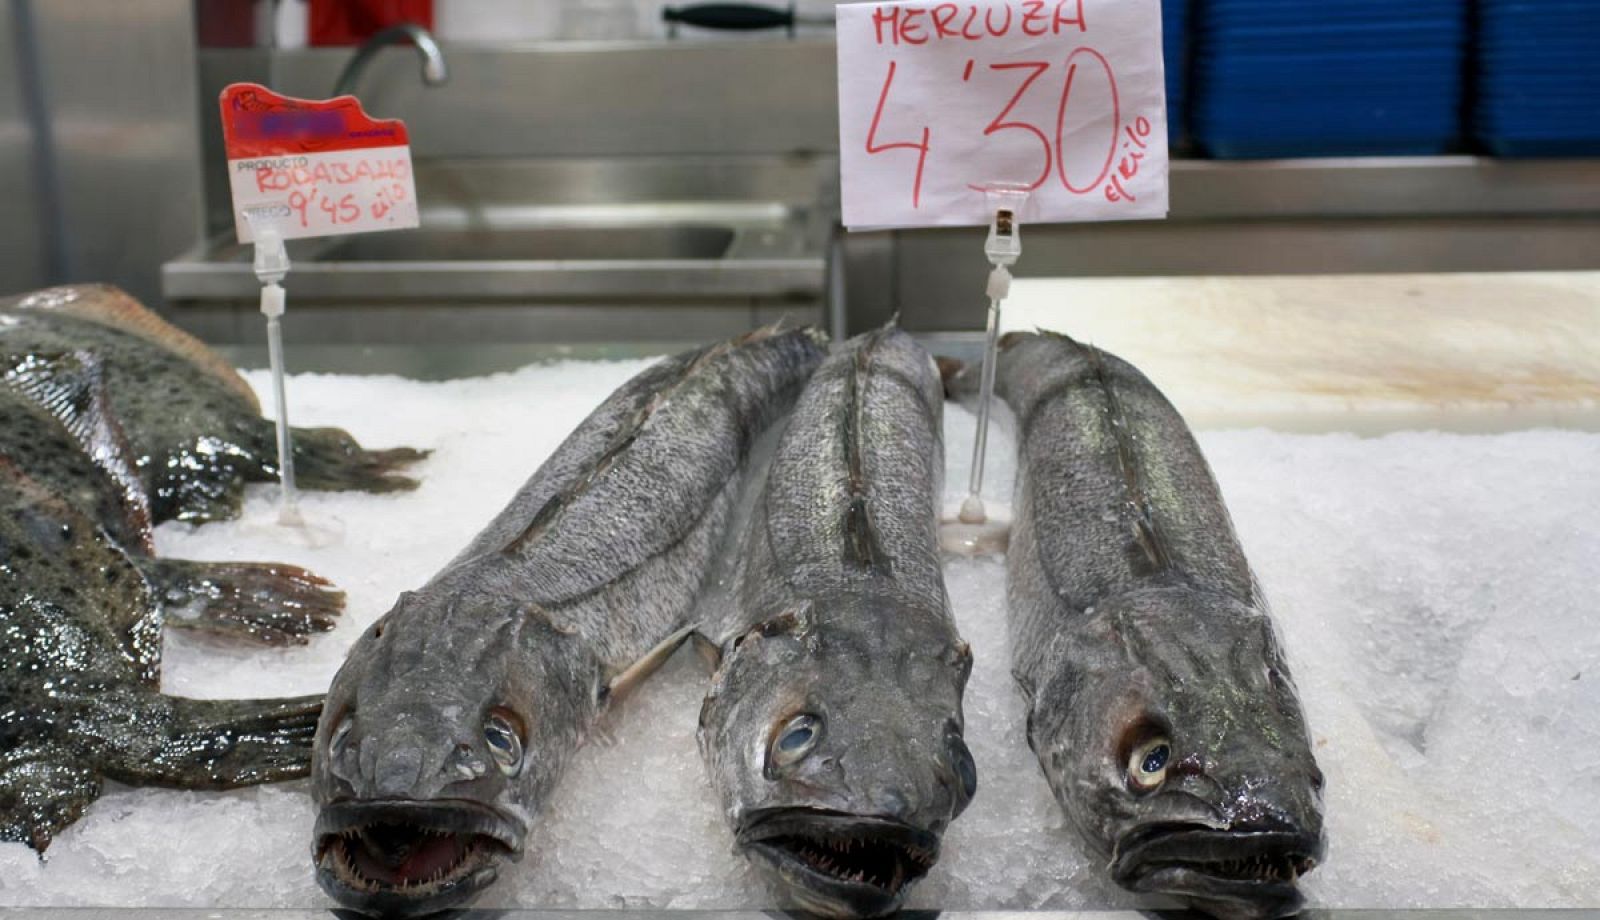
x: 433, y: 69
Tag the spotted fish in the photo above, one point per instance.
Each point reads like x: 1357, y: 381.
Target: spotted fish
x: 833, y: 727
x: 58, y: 429
x: 1159, y: 702
x: 82, y: 607
x: 194, y: 425
x: 455, y: 715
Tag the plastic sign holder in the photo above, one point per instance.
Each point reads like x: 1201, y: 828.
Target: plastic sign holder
x: 302, y: 168
x: 271, y: 267
x: 1067, y: 98
x: 975, y: 531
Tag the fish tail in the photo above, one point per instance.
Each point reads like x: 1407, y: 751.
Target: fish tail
x: 263, y: 602
x: 221, y: 744
x: 329, y: 459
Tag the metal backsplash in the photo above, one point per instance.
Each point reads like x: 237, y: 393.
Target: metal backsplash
x: 564, y: 99
x: 99, y: 145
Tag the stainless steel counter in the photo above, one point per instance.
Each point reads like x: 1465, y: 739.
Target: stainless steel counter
x: 120, y: 913
x: 547, y: 250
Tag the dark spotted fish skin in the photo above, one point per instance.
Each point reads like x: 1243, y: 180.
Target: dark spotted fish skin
x: 195, y: 427
x: 84, y: 468
x: 840, y: 617
x: 1160, y: 704
x: 79, y: 667
x: 458, y: 711
x: 82, y: 606
x: 57, y: 428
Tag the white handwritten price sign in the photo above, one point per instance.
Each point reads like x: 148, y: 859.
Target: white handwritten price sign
x: 1062, y: 97
x: 313, y: 168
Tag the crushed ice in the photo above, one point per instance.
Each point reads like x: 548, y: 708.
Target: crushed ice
x: 1436, y: 594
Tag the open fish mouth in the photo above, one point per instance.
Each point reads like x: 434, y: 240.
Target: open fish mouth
x: 838, y: 864
x: 404, y: 858
x: 1245, y: 874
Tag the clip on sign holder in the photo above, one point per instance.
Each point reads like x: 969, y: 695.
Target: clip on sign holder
x: 272, y: 265
x: 973, y: 532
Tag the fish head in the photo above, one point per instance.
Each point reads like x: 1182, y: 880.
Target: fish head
x: 431, y: 759
x: 835, y: 743
x: 1174, y: 740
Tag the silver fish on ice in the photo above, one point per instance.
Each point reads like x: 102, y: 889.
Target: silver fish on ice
x: 1159, y: 703
x: 833, y: 728
x: 456, y: 713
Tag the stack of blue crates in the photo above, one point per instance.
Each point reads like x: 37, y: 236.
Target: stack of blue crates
x: 1175, y: 55
x: 1539, y: 77
x: 1292, y: 78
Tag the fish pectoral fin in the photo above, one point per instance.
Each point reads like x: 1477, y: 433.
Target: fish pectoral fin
x: 707, y: 649
x: 263, y: 602
x: 43, y: 796
x: 635, y: 674
x: 330, y: 459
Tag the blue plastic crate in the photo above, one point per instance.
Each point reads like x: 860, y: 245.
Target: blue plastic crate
x: 1538, y: 77
x: 1290, y: 78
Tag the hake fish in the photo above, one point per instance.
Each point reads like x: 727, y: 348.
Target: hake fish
x: 832, y: 731
x: 194, y: 425
x: 455, y: 715
x: 81, y: 618
x: 1159, y: 702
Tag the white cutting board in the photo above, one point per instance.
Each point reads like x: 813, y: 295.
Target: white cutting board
x: 1363, y: 353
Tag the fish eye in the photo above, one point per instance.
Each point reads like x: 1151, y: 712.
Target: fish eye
x: 1147, y: 764
x: 503, y: 733
x: 796, y: 739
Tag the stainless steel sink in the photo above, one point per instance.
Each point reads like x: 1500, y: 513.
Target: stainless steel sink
x: 560, y: 244
x: 621, y: 231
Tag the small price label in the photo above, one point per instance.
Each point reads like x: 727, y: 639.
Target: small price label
x: 314, y: 168
x: 1062, y: 97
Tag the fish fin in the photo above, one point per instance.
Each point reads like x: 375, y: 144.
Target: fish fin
x: 959, y: 657
x: 537, y: 614
x: 111, y: 306
x: 707, y: 649
x: 219, y: 744
x: 861, y: 545
x: 263, y: 602
x: 861, y: 538
x: 625, y: 682
x: 329, y: 459
x: 43, y: 796
x: 71, y: 388
x: 1147, y: 553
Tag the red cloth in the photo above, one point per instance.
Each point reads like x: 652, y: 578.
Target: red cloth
x: 225, y: 23
x: 350, y: 22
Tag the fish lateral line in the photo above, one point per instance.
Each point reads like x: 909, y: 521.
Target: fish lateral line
x: 651, y: 403
x: 862, y: 547
x: 1147, y: 547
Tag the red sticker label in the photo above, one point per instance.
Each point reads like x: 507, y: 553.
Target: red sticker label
x: 257, y: 122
